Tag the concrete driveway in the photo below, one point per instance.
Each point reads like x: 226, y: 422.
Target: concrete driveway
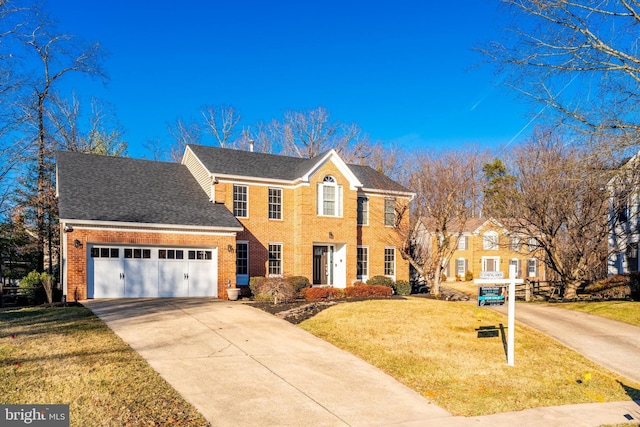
x: 240, y: 366
x: 614, y: 345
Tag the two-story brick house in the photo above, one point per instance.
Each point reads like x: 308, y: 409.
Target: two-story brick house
x: 485, y: 245
x: 139, y: 228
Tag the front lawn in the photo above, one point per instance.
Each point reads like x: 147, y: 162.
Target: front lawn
x: 435, y: 347
x: 622, y: 311
x: 67, y: 355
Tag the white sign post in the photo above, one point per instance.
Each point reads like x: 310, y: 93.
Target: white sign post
x: 511, y: 281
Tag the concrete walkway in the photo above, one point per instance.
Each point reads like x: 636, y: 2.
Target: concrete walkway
x: 240, y: 366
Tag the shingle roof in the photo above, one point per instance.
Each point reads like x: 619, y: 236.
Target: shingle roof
x: 271, y: 166
x: 104, y: 188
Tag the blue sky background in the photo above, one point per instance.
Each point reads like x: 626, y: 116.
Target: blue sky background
x: 404, y: 71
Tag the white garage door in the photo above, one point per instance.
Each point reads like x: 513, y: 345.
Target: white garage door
x: 136, y: 272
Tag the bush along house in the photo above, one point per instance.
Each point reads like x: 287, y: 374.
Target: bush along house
x: 138, y: 228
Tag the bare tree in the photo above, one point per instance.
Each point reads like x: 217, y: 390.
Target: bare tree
x: 183, y: 133
x: 447, y: 185
x: 58, y: 56
x: 221, y: 121
x: 102, y: 135
x: 581, y: 59
x: 560, y: 204
x: 307, y: 134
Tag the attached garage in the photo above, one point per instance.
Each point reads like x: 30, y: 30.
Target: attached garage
x: 116, y: 271
x: 141, y: 229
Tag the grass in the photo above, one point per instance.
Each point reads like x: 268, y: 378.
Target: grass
x: 622, y: 311
x: 468, y: 288
x: 67, y: 355
x: 434, y: 348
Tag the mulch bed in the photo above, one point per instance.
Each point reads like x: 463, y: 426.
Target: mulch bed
x: 300, y: 310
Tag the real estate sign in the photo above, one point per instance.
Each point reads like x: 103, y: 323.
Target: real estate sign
x: 491, y: 295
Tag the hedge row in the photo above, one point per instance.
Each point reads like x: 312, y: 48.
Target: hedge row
x: 358, y: 291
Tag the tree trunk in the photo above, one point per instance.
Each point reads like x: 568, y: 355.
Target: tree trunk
x: 570, y: 289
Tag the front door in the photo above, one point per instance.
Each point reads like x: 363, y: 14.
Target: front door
x: 322, y: 265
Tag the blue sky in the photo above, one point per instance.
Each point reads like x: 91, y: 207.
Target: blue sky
x: 404, y: 71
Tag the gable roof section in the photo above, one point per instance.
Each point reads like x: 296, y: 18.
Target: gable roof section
x: 117, y: 189
x: 253, y: 165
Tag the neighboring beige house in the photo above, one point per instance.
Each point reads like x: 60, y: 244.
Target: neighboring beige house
x: 486, y: 245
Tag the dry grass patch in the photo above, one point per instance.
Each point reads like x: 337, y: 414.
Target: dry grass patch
x: 68, y: 356
x: 433, y: 347
x: 622, y: 311
x: 468, y: 288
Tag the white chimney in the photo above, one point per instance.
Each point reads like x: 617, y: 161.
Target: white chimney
x: 251, y: 145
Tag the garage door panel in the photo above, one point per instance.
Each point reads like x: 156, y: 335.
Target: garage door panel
x: 108, y: 281
x: 141, y: 278
x: 172, y: 279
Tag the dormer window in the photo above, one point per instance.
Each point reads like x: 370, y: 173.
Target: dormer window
x: 329, y: 197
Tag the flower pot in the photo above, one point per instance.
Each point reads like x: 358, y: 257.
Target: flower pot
x: 233, y: 293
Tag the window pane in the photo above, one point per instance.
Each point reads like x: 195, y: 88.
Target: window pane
x: 115, y: 253
x: 104, y: 252
x: 329, y: 200
x: 242, y: 258
x: 275, y: 203
x: 162, y: 254
x: 192, y: 254
x: 389, y: 261
x: 240, y: 200
x: 389, y: 212
x: 275, y: 259
x: 363, y: 211
x: 95, y: 252
x: 128, y: 253
x: 179, y: 254
x: 146, y: 253
x: 362, y: 265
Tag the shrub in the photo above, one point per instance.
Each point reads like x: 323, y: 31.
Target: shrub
x: 468, y: 276
x: 274, y: 289
x: 38, y: 287
x: 403, y: 287
x: 368, y: 291
x: 298, y: 283
x: 322, y: 294
x: 380, y: 281
x: 254, y: 284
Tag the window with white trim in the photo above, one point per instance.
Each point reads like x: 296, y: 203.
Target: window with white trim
x: 490, y: 241
x: 389, y: 261
x: 329, y: 197
x: 463, y: 243
x: 532, y: 267
x: 362, y: 263
x: 461, y: 267
x: 240, y: 200
x: 275, y: 203
x: 390, y: 212
x: 275, y: 259
x: 515, y: 243
x: 363, y: 211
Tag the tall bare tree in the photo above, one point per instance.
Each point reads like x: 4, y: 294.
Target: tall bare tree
x: 183, y: 133
x: 58, y: 55
x: 221, y: 122
x: 579, y: 58
x: 560, y: 204
x: 101, y: 135
x: 307, y: 134
x: 447, y: 185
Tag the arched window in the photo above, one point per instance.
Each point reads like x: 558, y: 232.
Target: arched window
x: 329, y: 197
